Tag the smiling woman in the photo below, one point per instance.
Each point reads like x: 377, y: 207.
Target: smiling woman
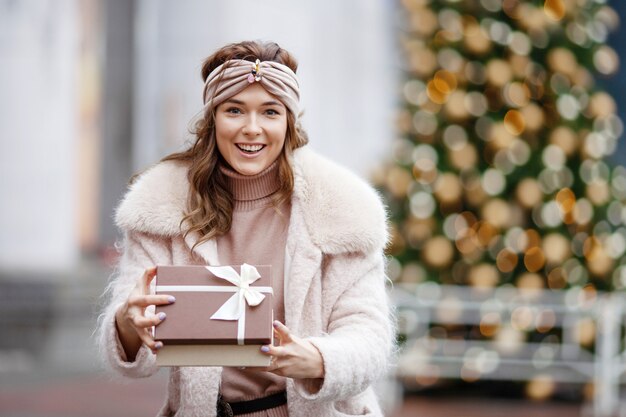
x: 249, y: 191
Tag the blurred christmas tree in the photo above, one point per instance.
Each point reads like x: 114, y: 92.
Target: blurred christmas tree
x: 499, y: 173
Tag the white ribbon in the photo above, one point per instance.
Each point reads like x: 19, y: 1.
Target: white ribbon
x: 235, y: 307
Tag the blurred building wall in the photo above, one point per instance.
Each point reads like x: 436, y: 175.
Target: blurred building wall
x: 92, y: 91
x: 345, y: 52
x: 39, y: 46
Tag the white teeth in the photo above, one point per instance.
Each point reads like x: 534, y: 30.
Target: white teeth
x: 250, y: 148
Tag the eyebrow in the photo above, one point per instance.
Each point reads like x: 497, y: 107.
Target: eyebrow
x: 267, y: 103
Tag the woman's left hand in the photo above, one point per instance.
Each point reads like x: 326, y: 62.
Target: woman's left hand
x: 294, y: 357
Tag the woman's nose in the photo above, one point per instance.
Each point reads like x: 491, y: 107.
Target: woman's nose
x: 252, y: 126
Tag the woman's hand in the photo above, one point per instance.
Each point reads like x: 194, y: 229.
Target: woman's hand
x: 133, y: 324
x: 294, y: 357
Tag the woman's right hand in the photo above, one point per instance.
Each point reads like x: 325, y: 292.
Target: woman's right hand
x: 133, y: 324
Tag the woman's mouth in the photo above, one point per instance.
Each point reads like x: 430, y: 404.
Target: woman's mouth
x: 249, y: 149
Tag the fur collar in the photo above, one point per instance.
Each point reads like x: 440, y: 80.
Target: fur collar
x: 342, y: 213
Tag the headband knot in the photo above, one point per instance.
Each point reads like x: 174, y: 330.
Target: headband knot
x: 233, y: 76
x: 254, y: 74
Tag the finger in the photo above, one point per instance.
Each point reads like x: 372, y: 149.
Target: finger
x: 145, y: 322
x: 258, y: 368
x: 147, y: 278
x: 283, y: 332
x: 275, y: 351
x: 147, y: 339
x: 148, y: 300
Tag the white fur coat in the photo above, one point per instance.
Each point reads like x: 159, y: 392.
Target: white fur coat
x: 334, y: 287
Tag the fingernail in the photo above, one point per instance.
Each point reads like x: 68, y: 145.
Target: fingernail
x: 171, y: 298
x: 265, y: 349
x: 161, y: 316
x: 158, y: 345
x: 276, y: 323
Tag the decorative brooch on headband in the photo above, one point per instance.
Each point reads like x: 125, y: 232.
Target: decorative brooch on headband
x: 254, y: 74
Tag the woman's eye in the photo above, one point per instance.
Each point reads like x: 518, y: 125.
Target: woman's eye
x: 272, y: 112
x: 233, y: 110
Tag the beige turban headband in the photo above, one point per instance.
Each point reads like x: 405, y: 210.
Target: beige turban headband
x: 234, y: 76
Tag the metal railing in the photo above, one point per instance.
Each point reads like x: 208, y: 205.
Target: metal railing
x: 506, y: 316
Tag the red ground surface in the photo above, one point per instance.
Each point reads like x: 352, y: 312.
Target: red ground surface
x: 102, y: 396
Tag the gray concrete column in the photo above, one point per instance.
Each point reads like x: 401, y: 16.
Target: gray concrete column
x: 117, y: 127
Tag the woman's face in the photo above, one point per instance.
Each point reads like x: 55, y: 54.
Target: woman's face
x: 250, y: 128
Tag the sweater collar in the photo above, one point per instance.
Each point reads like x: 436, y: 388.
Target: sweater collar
x: 252, y: 191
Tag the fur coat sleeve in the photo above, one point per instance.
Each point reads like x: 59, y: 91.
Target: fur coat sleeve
x: 141, y: 251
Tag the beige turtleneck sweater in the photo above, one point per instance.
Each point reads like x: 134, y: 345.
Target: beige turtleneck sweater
x: 257, y: 236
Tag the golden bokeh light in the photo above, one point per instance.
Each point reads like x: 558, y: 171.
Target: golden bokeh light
x: 497, y: 212
x: 522, y: 318
x: 530, y: 281
x: 434, y: 94
x: 602, y: 105
x: 422, y: 61
x: 506, y: 261
x: 490, y: 324
x: 533, y: 238
x: 545, y: 321
x: 516, y: 94
x: 483, y: 275
x: 606, y: 60
x: 468, y: 244
x: 425, y: 171
x: 514, y: 122
x: 397, y: 244
x: 541, y: 387
x: 565, y: 138
x: 585, y: 331
x: 528, y: 193
x: 566, y: 200
x: 475, y: 195
x: 415, y: 5
x: 424, y: 22
x: 556, y: 248
x: 438, y: 252
x: 534, y: 259
x: 448, y: 188
x: 455, y: 107
x: 498, y: 72
x: 598, y: 192
x: 557, y: 278
x: 486, y: 232
x: 554, y: 9
x: 412, y: 273
x: 398, y: 181
x: 562, y: 60
x: 445, y: 82
x: 533, y: 116
x: 475, y: 39
x: 417, y: 231
x: 464, y: 158
x: 500, y: 137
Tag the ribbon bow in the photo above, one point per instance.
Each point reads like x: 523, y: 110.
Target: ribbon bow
x: 234, y: 308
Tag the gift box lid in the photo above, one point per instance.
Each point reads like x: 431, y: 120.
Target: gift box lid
x: 199, y: 295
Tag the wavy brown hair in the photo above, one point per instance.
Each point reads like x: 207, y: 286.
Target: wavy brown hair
x: 210, y: 202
